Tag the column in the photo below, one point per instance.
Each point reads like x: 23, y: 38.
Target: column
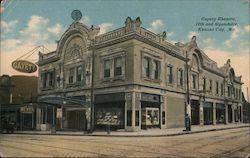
x: 233, y: 107
x: 214, y: 113
x: 241, y: 113
x: 128, y: 111
x: 226, y: 113
x: 202, y: 112
x: 133, y: 111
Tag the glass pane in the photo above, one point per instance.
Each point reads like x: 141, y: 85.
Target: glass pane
x: 118, y: 62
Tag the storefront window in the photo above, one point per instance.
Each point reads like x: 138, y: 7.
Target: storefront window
x: 137, y: 117
x: 129, y: 118
x: 109, y: 115
x: 220, y: 113
x: 163, y: 117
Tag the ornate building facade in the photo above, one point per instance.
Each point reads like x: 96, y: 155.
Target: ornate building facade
x: 133, y: 79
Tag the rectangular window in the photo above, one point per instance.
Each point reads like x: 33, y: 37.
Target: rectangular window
x: 44, y: 78
x: 222, y: 89
x: 79, y: 72
x: 204, y: 83
x: 229, y: 91
x: 146, y: 64
x: 118, y: 66
x: 169, y: 74
x: 107, y: 67
x: 180, y: 77
x: 210, y: 85
x: 217, y: 87
x: 51, y: 79
x: 194, y: 78
x: 129, y: 118
x: 163, y: 118
x: 71, y: 75
x: 156, y: 67
x: 137, y: 118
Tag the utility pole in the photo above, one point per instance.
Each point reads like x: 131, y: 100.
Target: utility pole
x: 92, y: 122
x: 187, y: 104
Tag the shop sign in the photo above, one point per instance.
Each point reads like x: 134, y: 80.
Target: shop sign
x: 58, y: 113
x: 24, y: 66
x: 27, y: 109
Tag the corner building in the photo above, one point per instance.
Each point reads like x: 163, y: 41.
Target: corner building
x: 136, y: 80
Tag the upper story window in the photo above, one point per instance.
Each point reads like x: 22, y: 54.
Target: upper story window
x: 169, y: 74
x: 156, y: 69
x: 210, y: 86
x: 107, y: 67
x: 180, y: 77
x: 118, y: 66
x: 194, y: 81
x: 79, y: 73
x: 71, y: 75
x: 48, y: 79
x: 113, y: 66
x: 204, y: 83
x: 222, y: 89
x: 228, y: 91
x: 146, y: 67
x: 217, y: 87
x: 75, y: 74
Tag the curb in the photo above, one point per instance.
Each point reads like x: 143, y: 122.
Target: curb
x: 133, y: 135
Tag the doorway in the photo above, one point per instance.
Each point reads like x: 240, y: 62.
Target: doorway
x: 76, y: 120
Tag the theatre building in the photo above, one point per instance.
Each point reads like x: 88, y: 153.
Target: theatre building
x: 131, y: 78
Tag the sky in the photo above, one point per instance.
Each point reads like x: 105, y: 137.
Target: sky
x: 26, y: 24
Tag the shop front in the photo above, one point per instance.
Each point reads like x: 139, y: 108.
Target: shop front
x: 110, y: 111
x: 195, y: 112
x: 208, y: 113
x: 230, y: 113
x: 27, y: 118
x: 150, y: 111
x: 220, y: 113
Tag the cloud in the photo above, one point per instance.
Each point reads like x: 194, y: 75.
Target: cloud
x: 105, y: 27
x: 8, y: 26
x: 156, y: 26
x: 56, y: 29
x: 234, y: 35
x: 208, y: 42
x: 192, y: 33
x: 38, y: 31
x: 35, y: 29
x: 10, y: 43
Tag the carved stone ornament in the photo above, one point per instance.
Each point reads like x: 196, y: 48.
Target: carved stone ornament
x: 74, y: 52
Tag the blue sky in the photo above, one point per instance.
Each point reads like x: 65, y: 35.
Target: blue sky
x: 28, y: 23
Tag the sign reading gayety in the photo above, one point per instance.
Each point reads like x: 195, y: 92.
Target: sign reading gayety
x: 24, y: 66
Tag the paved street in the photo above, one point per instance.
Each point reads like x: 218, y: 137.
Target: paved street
x: 225, y: 143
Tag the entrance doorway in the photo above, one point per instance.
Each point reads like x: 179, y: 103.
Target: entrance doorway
x: 195, y: 111
x: 230, y: 119
x: 76, y: 120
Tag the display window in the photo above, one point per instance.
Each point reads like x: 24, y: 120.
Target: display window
x: 109, y: 115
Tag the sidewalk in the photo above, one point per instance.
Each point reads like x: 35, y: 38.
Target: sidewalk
x: 143, y: 133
